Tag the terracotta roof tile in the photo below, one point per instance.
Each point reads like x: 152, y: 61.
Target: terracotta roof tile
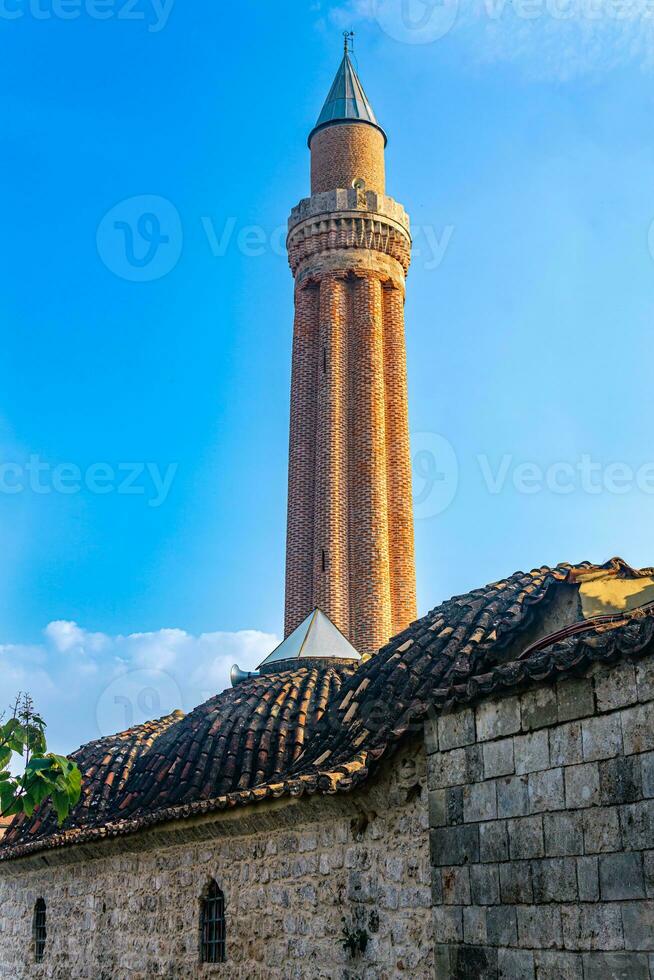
x: 320, y: 728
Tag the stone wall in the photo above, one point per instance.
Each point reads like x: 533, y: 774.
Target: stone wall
x: 290, y: 871
x: 542, y: 831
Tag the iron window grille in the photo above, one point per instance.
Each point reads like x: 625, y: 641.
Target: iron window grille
x: 212, y: 926
x: 39, y: 929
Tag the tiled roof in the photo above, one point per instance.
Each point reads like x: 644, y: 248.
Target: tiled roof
x: 457, y: 653
x: 239, y: 739
x: 106, y: 765
x: 323, y: 728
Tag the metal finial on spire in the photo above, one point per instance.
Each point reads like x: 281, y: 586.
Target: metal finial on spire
x: 346, y: 101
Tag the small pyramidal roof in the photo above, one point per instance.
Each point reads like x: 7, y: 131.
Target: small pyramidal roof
x: 346, y: 102
x: 315, y: 638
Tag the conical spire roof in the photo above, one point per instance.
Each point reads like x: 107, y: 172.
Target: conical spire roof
x: 347, y: 101
x: 315, y: 638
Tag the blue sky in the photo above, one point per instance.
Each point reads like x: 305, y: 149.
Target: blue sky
x: 144, y: 405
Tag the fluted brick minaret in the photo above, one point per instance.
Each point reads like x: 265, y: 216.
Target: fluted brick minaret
x: 350, y: 523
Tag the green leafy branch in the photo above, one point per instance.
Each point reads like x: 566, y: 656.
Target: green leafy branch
x: 45, y: 775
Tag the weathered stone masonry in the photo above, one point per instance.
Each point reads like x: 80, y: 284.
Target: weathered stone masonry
x: 291, y: 872
x: 542, y: 831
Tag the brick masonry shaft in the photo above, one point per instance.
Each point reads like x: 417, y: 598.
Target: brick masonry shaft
x: 350, y: 547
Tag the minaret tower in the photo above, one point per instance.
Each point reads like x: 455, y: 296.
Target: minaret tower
x: 350, y: 545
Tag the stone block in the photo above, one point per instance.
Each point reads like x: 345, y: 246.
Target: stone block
x: 621, y: 780
x: 448, y: 924
x: 638, y: 728
x: 456, y: 729
x: 474, y: 763
x: 479, y: 802
x: 443, y: 962
x: 545, y: 790
x: 474, y: 925
x: 455, y: 885
x: 616, y: 966
x: 565, y: 744
x: 554, y: 880
x: 539, y: 708
x: 582, y: 785
x: 515, y: 883
x: 493, y: 842
x: 638, y: 924
x: 647, y: 774
x: 515, y: 964
x: 526, y: 838
x: 621, y: 876
x: 501, y: 926
x: 454, y: 804
x: 602, y: 830
x: 576, y: 698
x: 637, y: 825
x: 531, y: 752
x: 645, y: 679
x: 539, y: 926
x: 601, y: 737
x: 512, y: 796
x: 648, y: 869
x: 615, y: 686
x: 591, y: 927
x: 431, y: 734
x: 555, y: 965
x: 484, y: 884
x: 447, y: 769
x: 498, y: 718
x: 588, y: 879
x: 436, y: 886
x: 437, y: 808
x: 455, y: 845
x: 474, y: 961
x: 563, y: 834
x: 498, y: 758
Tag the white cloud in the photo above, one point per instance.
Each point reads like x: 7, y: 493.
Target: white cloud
x: 546, y: 39
x: 67, y: 637
x: 91, y: 684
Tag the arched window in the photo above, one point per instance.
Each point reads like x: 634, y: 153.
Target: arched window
x: 39, y: 931
x: 212, y: 925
